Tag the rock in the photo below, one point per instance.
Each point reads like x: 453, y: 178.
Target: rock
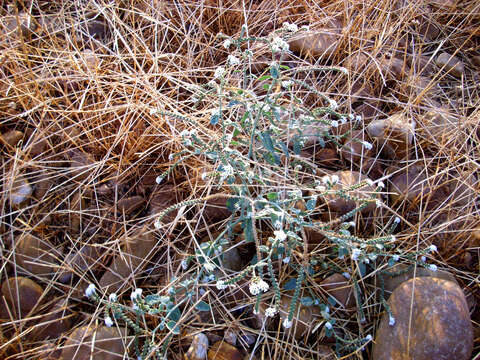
x: 422, y: 65
x: 353, y: 150
x: 19, y: 190
x: 132, y: 260
x: 346, y: 179
x: 76, y: 206
x: 401, y: 273
x: 11, y: 27
x: 420, y: 87
x: 326, y: 157
x: 12, y: 137
x: 231, y: 259
x: 435, y: 324
x: 338, y: 287
x: 394, y: 134
x: 34, y: 255
x: 81, y: 165
x: 409, y: 185
x: 230, y: 337
x: 53, y: 324
x: 303, y: 318
x: 393, y: 68
x: 224, y: 351
x: 322, y: 43
x: 450, y: 64
x: 215, y: 210
x: 163, y: 198
x: 42, y: 185
x: 87, y: 343
x: 22, y: 296
x: 198, y: 348
x: 439, y: 125
x: 130, y: 204
x: 86, y: 258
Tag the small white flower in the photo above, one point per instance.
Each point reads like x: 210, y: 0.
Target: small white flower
x: 153, y: 111
x: 351, y: 223
x: 358, y: 118
x: 367, y: 145
x: 108, y: 321
x: 290, y: 27
x: 157, y: 225
x: 381, y: 184
x: 346, y: 275
x: 391, y: 320
x: 185, y: 133
x: 343, y: 120
x: 249, y: 53
x: 351, y: 116
x: 204, y: 176
x: 257, y: 286
x: 378, y: 203
x: 356, y: 253
x: 90, y: 290
x: 394, y: 238
x: 159, y: 179
x: 343, y: 70
x: 328, y: 325
x: 209, y: 266
x: 219, y: 72
x: 278, y: 44
x: 270, y: 312
x: 232, y: 60
x: 432, y: 267
x: 227, y: 43
x: 266, y: 108
x: 320, y: 188
x: 368, y: 337
x: 286, y: 260
x: 432, y: 248
x: 280, y: 235
x: 397, y: 220
x: 334, y: 123
x: 334, y: 179
x: 170, y: 157
x: 136, y: 294
x: 221, y: 285
x: 423, y: 258
x: 333, y: 104
x: 287, y: 324
x: 255, y: 312
x: 287, y: 83
x: 305, y: 27
x: 112, y: 297
x: 396, y: 257
x: 369, y: 182
x: 184, y: 264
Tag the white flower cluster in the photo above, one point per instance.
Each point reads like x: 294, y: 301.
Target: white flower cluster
x: 432, y: 267
x: 136, y: 295
x: 219, y: 72
x: 90, y: 290
x: 290, y: 27
x: 287, y: 83
x: 257, y: 286
x: 278, y: 44
x: 270, y: 312
x: 112, y: 297
x: 432, y: 248
x: 367, y: 145
x: 209, y: 266
x: 356, y: 254
x: 233, y: 60
x: 333, y: 104
x: 287, y: 324
x: 280, y: 235
x: 332, y: 180
x: 227, y: 43
x: 391, y: 320
x: 108, y: 321
x: 221, y: 285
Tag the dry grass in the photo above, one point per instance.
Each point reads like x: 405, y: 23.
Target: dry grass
x: 89, y: 98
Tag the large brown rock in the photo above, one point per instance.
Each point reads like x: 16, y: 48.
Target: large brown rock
x: 22, y: 295
x: 35, y: 255
x: 338, y: 287
x: 394, y: 134
x: 53, y: 324
x: 347, y: 179
x: 432, y: 321
x: 303, y: 317
x: 321, y: 43
x: 132, y: 260
x: 451, y: 64
x: 87, y: 343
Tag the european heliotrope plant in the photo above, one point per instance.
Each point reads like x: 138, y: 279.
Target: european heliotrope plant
x: 256, y: 165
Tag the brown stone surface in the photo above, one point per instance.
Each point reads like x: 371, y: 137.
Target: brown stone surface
x: 22, y: 295
x: 434, y: 324
x: 322, y: 43
x: 136, y: 252
x: 87, y: 343
x: 303, y: 318
x: 353, y: 149
x: 18, y: 189
x: 130, y: 204
x: 35, y: 255
x: 224, y: 351
x: 12, y: 137
x: 53, y: 324
x: 394, y: 135
x: 347, y: 179
x: 409, y: 184
x: 340, y: 288
x: 450, y: 63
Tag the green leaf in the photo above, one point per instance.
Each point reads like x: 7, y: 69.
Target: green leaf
x: 173, y: 327
x: 274, y: 72
x: 174, y: 314
x: 290, y: 284
x: 202, y: 306
x: 306, y: 301
x: 214, y: 119
x: 310, y: 205
x: 264, y: 77
x: 272, y: 196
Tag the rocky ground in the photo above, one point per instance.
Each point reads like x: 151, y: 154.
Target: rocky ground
x: 81, y: 151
